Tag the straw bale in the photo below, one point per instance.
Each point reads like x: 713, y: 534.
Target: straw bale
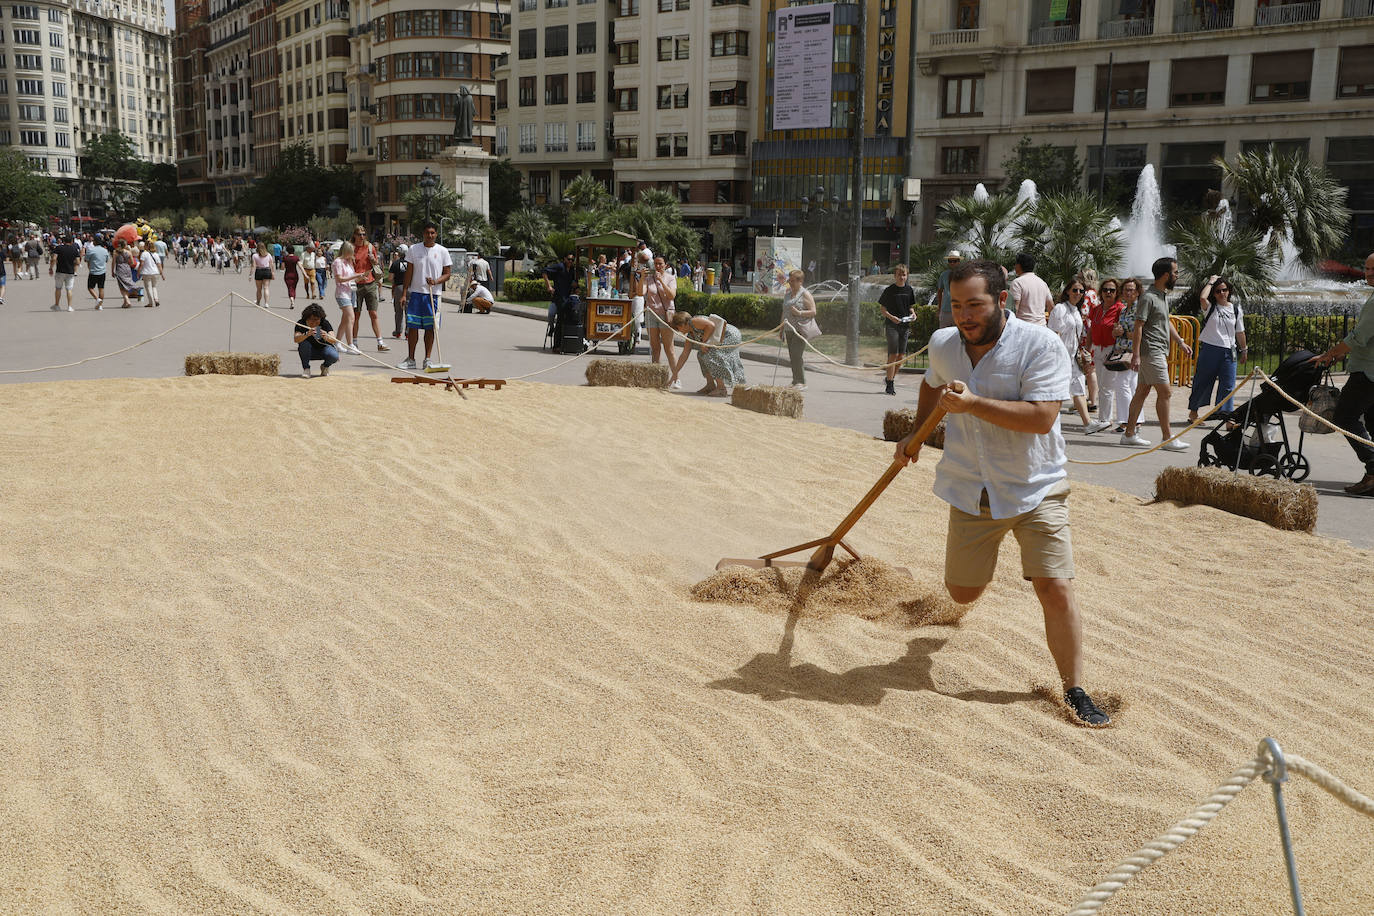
x: 780, y: 402
x: 1283, y: 504
x: 623, y: 374
x: 223, y: 363
x: 897, y: 424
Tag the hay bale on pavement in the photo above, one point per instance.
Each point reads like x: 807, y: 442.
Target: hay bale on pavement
x: 780, y: 402
x: 1281, y: 503
x: 223, y: 363
x: 624, y: 374
x: 897, y: 424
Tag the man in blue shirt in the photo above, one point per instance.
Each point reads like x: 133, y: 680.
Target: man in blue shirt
x: 1002, y: 381
x: 97, y: 260
x: 1355, y: 409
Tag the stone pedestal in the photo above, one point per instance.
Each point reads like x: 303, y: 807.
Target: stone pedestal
x: 465, y: 168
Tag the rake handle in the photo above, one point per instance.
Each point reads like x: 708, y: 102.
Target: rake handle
x: 913, y: 446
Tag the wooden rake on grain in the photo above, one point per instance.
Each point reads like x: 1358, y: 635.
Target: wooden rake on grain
x: 825, y: 547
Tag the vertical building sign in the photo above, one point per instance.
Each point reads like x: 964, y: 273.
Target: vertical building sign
x: 887, y: 60
x: 804, y: 46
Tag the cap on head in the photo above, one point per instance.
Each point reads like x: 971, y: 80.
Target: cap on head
x: 954, y: 256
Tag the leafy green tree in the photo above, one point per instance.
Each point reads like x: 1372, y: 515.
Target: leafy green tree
x: 586, y: 193
x: 1208, y: 246
x: 1070, y: 232
x: 160, y: 191
x: 505, y: 185
x: 338, y: 227
x: 981, y: 228
x: 25, y: 194
x: 559, y: 242
x: 443, y: 203
x: 525, y: 231
x: 657, y: 218
x: 110, y: 168
x: 196, y: 225
x: 1053, y: 168
x: 298, y: 188
x: 1285, y: 195
x: 470, y: 229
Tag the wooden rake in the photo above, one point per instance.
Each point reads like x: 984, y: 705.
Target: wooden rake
x: 825, y: 547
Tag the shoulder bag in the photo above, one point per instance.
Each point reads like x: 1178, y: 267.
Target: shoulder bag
x: 1321, y: 400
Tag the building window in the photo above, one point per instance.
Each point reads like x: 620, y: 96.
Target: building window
x: 29, y: 87
x: 24, y: 12
x: 663, y: 148
x: 1049, y: 91
x: 627, y: 147
x: 586, y: 38
x: 627, y: 52
x: 1198, y: 81
x: 628, y: 8
x: 962, y: 96
x: 586, y: 136
x: 627, y: 100
x: 665, y: 49
x: 730, y: 143
x: 1129, y: 83
x: 729, y: 44
x: 502, y: 95
x: 28, y: 61
x: 960, y: 160
x: 556, y: 90
x: 55, y: 40
x: 33, y: 138
x: 586, y: 86
x: 29, y: 112
x: 527, y: 97
x: 527, y: 142
x: 62, y: 139
x: 1355, y: 75
x: 529, y: 44
x: 665, y: 97
x: 1281, y: 147
x: 725, y: 94
x: 556, y: 138
x: 1281, y: 76
x: 27, y: 37
x: 556, y: 41
x: 966, y: 14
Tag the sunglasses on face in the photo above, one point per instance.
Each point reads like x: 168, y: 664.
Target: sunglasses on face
x: 1108, y: 289
x: 1076, y: 289
x: 1221, y: 289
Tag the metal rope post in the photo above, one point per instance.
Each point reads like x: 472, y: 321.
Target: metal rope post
x: 1276, y: 776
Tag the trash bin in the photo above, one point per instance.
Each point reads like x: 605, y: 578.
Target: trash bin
x: 498, y: 273
x: 710, y: 277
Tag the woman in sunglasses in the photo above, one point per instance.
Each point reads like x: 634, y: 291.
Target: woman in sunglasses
x: 1067, y: 322
x: 1222, y: 339
x: 1113, y: 398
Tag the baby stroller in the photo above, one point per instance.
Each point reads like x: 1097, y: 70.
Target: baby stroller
x: 1253, y: 437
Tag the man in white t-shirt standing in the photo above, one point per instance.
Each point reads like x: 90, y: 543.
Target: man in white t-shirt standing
x: 1030, y: 295
x: 428, y: 268
x: 479, y: 270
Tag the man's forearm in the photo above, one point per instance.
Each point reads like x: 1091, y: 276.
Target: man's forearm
x: 1017, y: 416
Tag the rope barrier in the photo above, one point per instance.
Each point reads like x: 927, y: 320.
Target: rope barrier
x: 1182, y: 831
x: 91, y: 359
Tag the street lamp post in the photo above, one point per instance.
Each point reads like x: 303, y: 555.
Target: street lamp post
x: 427, y: 184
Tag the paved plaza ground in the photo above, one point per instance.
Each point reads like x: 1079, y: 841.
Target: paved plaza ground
x: 508, y: 343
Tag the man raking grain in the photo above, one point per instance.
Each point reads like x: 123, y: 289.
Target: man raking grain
x: 1001, y: 381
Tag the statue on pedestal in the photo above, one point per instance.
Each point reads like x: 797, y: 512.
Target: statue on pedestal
x: 463, y: 113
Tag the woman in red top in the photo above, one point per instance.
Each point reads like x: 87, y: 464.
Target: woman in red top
x: 1102, y: 318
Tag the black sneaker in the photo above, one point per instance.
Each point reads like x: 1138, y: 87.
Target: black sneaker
x: 891, y: 388
x: 1084, y: 708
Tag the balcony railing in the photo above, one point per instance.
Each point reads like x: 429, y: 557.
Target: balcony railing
x: 1126, y: 28
x: 953, y: 38
x: 1358, y: 8
x: 1207, y: 21
x: 1049, y: 34
x: 1288, y: 13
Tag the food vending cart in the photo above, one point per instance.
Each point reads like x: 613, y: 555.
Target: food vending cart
x: 610, y: 312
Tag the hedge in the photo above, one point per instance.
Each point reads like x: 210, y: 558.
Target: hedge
x: 523, y: 289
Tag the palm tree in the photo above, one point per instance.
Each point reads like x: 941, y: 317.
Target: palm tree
x: 525, y: 232
x: 1287, y: 196
x: 1209, y: 246
x: 587, y: 193
x: 981, y: 228
x: 1070, y: 232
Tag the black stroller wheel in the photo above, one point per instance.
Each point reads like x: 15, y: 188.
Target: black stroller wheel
x: 1263, y: 465
x: 1206, y: 459
x: 1295, y: 467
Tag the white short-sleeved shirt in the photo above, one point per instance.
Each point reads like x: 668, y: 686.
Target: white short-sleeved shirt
x: 1221, y: 328
x: 429, y: 262
x: 481, y: 292
x: 1028, y: 363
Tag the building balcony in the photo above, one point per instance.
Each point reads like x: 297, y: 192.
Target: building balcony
x: 1126, y: 28
x: 1355, y: 9
x: 957, y: 38
x: 1206, y: 22
x: 1050, y: 33
x: 1288, y: 13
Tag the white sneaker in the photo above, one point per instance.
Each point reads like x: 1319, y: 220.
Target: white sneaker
x: 71, y: 308
x: 1095, y: 427
x: 305, y: 373
x: 427, y: 365
x: 54, y: 308
x: 98, y: 308
x: 381, y: 346
x: 354, y: 350
x: 797, y: 386
x: 1177, y: 445
x: 676, y: 385
x: 1135, y: 441
x: 406, y: 364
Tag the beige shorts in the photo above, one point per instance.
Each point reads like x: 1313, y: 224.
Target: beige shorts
x: 1043, y: 533
x: 1154, y: 372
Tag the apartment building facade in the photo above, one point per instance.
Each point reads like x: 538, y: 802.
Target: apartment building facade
x: 71, y: 71
x: 553, y: 94
x: 684, y: 82
x: 1189, y: 82
x: 313, y: 49
x: 228, y: 118
x: 801, y: 179
x: 420, y: 58
x: 264, y: 86
x: 189, y: 72
x: 362, y: 111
